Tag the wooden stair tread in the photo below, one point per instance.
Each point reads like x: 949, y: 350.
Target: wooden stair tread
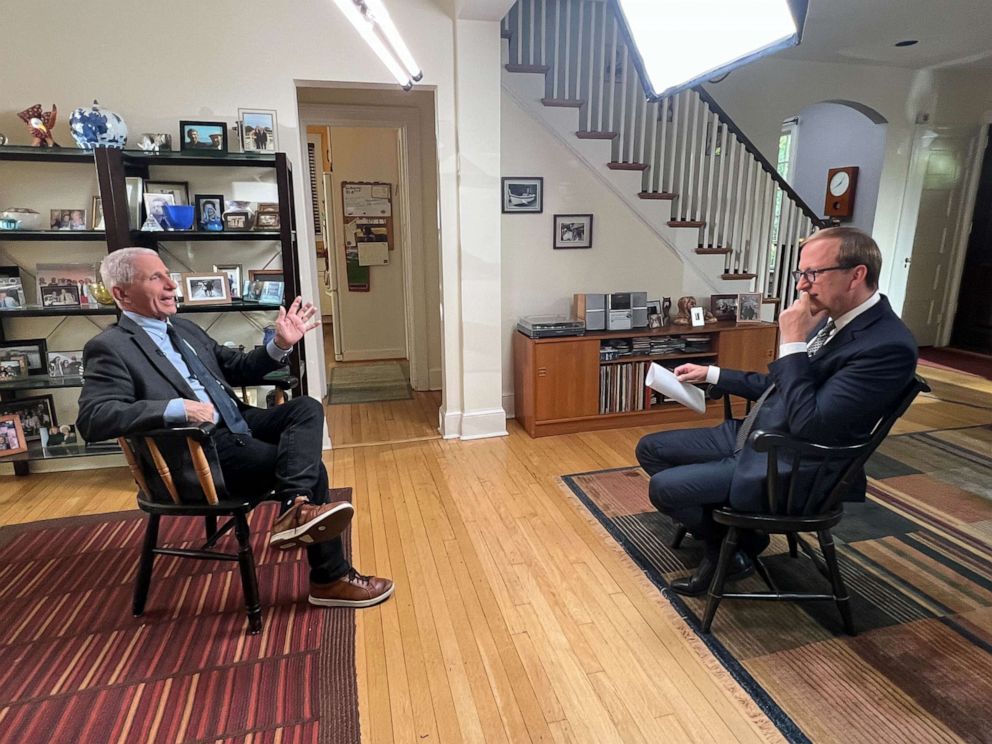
x: 563, y: 102
x: 540, y: 69
x: 597, y: 135
x: 656, y: 195
x: 686, y: 223
x: 627, y: 166
x: 713, y: 251
x: 737, y: 276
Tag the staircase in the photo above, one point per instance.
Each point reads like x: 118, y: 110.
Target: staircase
x: 729, y: 213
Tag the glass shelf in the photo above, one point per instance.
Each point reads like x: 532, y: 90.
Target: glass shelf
x: 96, y: 235
x: 199, y: 157
x: 37, y: 311
x: 61, y: 451
x: 183, y: 235
x: 41, y: 382
x: 46, y: 154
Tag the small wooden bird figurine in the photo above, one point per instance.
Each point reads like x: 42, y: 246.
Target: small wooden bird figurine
x: 41, y: 124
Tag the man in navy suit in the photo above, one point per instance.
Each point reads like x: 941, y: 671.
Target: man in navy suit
x: 844, y: 360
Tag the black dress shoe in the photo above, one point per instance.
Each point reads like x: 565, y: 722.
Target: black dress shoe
x: 697, y: 584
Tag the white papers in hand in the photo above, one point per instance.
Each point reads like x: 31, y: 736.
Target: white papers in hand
x: 666, y: 383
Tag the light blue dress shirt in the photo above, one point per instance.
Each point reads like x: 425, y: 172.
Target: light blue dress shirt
x: 157, y: 330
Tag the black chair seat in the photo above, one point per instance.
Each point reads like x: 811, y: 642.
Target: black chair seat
x: 775, y: 524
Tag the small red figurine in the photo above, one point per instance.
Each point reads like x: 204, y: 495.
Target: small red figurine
x: 41, y: 124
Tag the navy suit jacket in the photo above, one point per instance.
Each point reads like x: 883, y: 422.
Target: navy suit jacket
x: 836, y: 397
x: 127, y: 381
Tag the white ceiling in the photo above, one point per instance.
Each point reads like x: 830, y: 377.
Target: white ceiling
x: 952, y: 33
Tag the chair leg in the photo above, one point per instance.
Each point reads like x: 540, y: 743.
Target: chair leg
x: 793, y: 544
x: 679, y: 536
x: 249, y: 582
x: 144, y: 578
x: 727, y: 551
x: 840, y: 591
x: 210, y: 525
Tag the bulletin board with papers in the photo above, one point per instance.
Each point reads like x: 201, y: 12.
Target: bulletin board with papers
x: 368, y: 230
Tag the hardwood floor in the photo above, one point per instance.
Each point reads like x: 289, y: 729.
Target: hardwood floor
x: 515, y: 617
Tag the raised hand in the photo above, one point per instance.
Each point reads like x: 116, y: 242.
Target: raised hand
x: 293, y: 324
x: 797, y: 322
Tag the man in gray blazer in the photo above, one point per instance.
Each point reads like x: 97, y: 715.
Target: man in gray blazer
x: 844, y: 360
x: 153, y: 370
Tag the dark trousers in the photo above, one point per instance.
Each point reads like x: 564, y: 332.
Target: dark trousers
x: 691, y: 471
x: 284, y: 454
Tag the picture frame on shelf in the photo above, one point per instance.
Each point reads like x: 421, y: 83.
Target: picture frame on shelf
x: 272, y: 293
x: 155, y: 142
x: 35, y: 412
x: 13, y: 367
x: 234, y: 275
x: 724, y: 306
x: 252, y: 290
x: 267, y: 221
x: 12, y: 439
x: 237, y: 221
x: 209, y: 212
x: 97, y: 221
x: 59, y: 436
x: 78, y: 277
x: 155, y: 207
x: 654, y: 307
x: 65, y: 363
x: 573, y: 231
x: 523, y: 194
x: 749, y: 307
x: 134, y: 186
x: 178, y: 189
x: 258, y: 130
x: 67, y: 219
x: 59, y: 295
x: 204, y: 288
x: 11, y: 293
x: 196, y: 136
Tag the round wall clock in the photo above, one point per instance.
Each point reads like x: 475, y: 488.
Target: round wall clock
x: 840, y: 192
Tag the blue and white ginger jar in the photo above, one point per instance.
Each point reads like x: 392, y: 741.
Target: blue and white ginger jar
x: 97, y: 127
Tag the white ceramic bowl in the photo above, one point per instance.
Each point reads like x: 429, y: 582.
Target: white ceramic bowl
x: 29, y: 219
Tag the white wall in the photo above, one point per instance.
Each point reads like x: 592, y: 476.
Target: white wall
x: 626, y: 254
x: 832, y: 135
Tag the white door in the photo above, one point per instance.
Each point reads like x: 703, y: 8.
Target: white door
x: 943, y: 159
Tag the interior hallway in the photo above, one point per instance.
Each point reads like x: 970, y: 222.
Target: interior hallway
x: 515, y: 617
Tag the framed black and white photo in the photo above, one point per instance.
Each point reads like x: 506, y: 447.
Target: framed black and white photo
x: 724, y: 306
x: 267, y: 221
x: 203, y: 135
x: 11, y: 293
x: 209, y: 212
x: 178, y: 189
x: 573, y: 231
x: 78, y: 279
x: 234, y: 278
x: 206, y: 289
x: 749, y: 307
x: 35, y: 413
x: 155, y: 207
x: 237, y: 221
x: 34, y: 349
x: 654, y: 307
x: 65, y: 363
x: 258, y: 130
x: 524, y: 195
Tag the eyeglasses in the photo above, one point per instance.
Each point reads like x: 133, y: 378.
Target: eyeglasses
x: 810, y: 275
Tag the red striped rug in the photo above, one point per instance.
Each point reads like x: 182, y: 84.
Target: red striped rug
x: 75, y: 666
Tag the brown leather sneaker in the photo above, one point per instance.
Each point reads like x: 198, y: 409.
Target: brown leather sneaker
x: 351, y: 590
x: 305, y: 524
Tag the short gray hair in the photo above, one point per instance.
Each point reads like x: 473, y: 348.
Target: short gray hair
x: 117, y: 267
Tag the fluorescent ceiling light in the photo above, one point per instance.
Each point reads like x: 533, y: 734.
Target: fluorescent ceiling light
x: 682, y: 43
x: 372, y: 21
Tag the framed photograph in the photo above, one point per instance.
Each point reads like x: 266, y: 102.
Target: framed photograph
x: 203, y: 135
x: 573, y: 231
x: 252, y: 291
x: 209, y: 211
x: 65, y: 363
x: 75, y: 278
x: 206, y: 289
x: 749, y: 307
x: 523, y: 195
x: 178, y: 189
x: 234, y: 278
x: 12, y: 440
x: 258, y: 130
x: 697, y: 316
x: 724, y: 306
x: 135, y: 189
x: 68, y: 219
x: 13, y: 367
x: 237, y: 221
x: 35, y: 413
x: 177, y: 277
x: 267, y: 221
x: 267, y: 207
x: 56, y: 436
x: 271, y: 293
x: 155, y: 207
x: 654, y: 307
x: 97, y: 222
x: 11, y: 293
x: 155, y: 142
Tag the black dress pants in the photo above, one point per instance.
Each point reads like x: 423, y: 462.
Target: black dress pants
x: 284, y: 454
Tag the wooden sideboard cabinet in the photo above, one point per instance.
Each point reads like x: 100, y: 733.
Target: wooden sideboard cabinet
x: 574, y: 383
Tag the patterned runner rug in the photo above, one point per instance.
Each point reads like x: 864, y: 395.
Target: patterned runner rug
x: 368, y: 383
x: 75, y: 666
x: 917, y: 559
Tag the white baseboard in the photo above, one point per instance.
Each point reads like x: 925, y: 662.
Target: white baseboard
x: 483, y: 424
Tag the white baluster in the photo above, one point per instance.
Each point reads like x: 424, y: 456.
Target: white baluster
x: 664, y: 151
x: 689, y: 185
x: 718, y: 223
x: 726, y: 229
x: 568, y: 50
x: 708, y: 211
x: 601, y: 67
x: 655, y: 160
x: 684, y: 103
x: 623, y: 105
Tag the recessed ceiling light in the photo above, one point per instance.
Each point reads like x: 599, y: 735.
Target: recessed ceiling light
x: 906, y: 42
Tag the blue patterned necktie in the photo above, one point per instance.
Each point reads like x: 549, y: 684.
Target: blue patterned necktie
x: 820, y: 339
x: 223, y: 402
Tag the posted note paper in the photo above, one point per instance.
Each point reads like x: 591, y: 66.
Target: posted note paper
x: 666, y: 383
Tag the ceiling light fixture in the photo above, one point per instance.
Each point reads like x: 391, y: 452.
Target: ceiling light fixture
x: 682, y: 43
x: 373, y: 23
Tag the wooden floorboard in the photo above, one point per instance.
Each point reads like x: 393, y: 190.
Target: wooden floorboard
x: 516, y: 618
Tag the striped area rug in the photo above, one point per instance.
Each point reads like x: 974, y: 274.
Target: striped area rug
x: 75, y: 666
x: 917, y: 559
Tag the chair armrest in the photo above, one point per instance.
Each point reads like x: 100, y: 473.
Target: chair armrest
x: 198, y: 433
x: 770, y: 441
x: 281, y: 378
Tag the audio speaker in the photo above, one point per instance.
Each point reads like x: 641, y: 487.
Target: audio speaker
x: 639, y: 309
x: 591, y: 309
